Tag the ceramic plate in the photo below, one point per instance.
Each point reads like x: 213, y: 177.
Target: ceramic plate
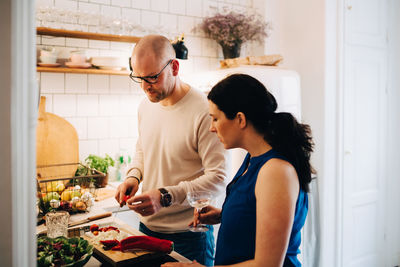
x: 49, y: 64
x: 77, y: 65
x: 109, y: 68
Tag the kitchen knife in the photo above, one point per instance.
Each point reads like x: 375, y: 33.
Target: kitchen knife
x: 123, y: 203
x: 91, y: 218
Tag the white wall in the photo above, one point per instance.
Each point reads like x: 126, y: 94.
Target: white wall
x: 299, y: 31
x: 298, y: 34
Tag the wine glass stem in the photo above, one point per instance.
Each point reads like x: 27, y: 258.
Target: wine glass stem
x: 198, y: 211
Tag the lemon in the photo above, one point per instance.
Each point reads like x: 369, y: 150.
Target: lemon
x: 75, y: 193
x: 60, y: 187
x: 66, y: 195
x: 51, y: 195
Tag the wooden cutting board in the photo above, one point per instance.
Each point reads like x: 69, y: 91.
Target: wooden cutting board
x: 56, y: 143
x: 127, y: 258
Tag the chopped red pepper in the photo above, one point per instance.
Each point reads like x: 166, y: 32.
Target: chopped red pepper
x: 147, y: 243
x: 108, y: 228
x: 109, y: 244
x: 94, y: 227
x: 124, y: 200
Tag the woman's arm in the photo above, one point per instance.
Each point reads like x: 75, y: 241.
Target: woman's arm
x: 277, y: 189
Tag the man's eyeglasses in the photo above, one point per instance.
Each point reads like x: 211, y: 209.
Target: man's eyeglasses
x: 149, y: 79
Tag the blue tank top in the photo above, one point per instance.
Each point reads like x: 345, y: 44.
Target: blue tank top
x: 237, y: 234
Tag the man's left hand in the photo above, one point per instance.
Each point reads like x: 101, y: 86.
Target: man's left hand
x: 147, y: 203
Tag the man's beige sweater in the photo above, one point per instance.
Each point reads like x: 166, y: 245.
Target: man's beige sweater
x: 176, y: 150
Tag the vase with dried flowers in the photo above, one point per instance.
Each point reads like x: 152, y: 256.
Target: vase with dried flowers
x: 232, y: 29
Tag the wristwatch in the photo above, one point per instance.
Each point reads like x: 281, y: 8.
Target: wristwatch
x: 166, y: 197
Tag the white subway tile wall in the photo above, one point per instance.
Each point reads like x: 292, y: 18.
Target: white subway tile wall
x: 89, y: 7
x: 83, y: 43
x: 140, y: 4
x: 194, y: 8
x: 177, y: 7
x: 76, y: 83
x: 88, y: 105
x: 103, y: 108
x: 64, y: 105
x: 99, y: 84
x: 80, y: 124
x: 52, y: 83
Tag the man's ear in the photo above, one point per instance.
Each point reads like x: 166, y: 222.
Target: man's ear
x: 241, y: 119
x: 175, y: 67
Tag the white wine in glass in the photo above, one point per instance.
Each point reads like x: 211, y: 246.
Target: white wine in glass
x: 199, y: 200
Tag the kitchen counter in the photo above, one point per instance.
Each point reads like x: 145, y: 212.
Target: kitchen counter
x: 107, y: 205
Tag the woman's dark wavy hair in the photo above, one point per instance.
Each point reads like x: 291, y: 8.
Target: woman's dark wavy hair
x: 243, y: 93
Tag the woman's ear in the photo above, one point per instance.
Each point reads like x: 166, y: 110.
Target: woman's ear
x: 241, y: 119
x: 175, y: 67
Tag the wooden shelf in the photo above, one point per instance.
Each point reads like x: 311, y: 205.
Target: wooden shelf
x: 87, y: 35
x: 83, y: 71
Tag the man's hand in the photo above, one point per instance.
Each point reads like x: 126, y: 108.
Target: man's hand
x: 208, y: 215
x: 147, y: 203
x: 130, y: 185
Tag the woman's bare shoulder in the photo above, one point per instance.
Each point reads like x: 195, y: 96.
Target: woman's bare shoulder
x: 276, y: 173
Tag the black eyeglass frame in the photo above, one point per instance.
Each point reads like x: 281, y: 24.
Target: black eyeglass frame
x: 140, y: 79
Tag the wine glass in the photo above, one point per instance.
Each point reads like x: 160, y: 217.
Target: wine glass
x: 199, y: 200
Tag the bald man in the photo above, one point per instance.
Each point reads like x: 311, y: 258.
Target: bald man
x: 175, y: 152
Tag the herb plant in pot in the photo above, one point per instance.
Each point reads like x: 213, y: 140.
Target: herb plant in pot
x: 101, y: 165
x: 232, y: 29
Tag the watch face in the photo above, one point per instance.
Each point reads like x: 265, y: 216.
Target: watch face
x: 166, y: 197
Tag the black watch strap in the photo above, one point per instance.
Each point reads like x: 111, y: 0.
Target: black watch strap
x: 166, y: 197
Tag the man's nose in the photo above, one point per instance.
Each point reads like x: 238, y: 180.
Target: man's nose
x: 146, y: 85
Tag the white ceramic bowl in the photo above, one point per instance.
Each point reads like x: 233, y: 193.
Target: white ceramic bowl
x: 109, y: 61
x: 48, y: 59
x: 78, y: 58
x: 46, y: 53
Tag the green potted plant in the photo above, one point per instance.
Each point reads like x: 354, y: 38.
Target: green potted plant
x: 100, y: 165
x: 231, y: 29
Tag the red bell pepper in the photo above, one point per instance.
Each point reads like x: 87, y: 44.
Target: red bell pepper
x: 147, y: 243
x: 117, y: 247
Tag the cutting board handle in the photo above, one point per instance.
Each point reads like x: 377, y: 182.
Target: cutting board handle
x: 99, y: 216
x: 42, y: 108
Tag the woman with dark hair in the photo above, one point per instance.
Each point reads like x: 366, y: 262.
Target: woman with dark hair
x: 266, y: 203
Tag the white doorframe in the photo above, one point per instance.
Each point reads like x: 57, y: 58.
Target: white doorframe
x: 331, y: 186
x: 24, y: 106
x: 393, y: 167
